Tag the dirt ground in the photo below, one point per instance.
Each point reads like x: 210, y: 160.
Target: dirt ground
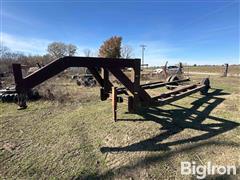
x: 79, y: 140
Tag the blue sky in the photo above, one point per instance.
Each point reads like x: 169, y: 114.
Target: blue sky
x: 201, y: 32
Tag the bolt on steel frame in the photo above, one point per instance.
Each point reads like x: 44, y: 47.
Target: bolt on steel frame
x: 138, y: 95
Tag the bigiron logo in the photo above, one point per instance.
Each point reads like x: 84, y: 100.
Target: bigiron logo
x: 201, y: 171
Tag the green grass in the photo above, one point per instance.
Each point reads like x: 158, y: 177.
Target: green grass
x: 78, y: 139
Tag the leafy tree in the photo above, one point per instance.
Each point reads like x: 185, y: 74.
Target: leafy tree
x: 111, y: 48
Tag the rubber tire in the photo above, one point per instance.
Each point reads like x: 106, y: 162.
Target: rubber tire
x: 15, y: 99
x: 92, y: 83
x: 168, y: 78
x: 79, y: 83
x: 174, y: 78
x: 171, y: 79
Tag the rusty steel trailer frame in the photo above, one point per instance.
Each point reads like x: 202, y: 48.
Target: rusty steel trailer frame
x: 154, y: 85
x: 138, y: 95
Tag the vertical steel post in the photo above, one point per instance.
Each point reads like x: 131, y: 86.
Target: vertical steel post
x: 17, y: 73
x: 106, y: 79
x: 130, y: 104
x: 135, y: 77
x: 20, y: 88
x: 106, y: 85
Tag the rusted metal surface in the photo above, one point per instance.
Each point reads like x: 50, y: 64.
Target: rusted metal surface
x: 114, y: 103
x: 176, y: 91
x: 17, y: 72
x: 136, y: 90
x: 61, y: 64
x: 155, y: 85
x: 96, y: 75
x: 180, y: 95
x: 108, y: 64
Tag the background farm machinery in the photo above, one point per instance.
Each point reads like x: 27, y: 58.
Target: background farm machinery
x: 135, y: 92
x: 86, y: 79
x: 10, y: 95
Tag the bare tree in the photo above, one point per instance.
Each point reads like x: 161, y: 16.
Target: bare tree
x: 7, y: 57
x: 71, y: 49
x: 126, y: 52
x: 4, y: 51
x: 8, y: 54
x: 87, y: 52
x: 59, y: 49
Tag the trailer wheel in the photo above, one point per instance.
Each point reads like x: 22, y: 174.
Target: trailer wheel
x: 92, y: 83
x: 174, y: 78
x: 3, y: 98
x: 79, y: 83
x: 171, y: 79
x: 168, y: 78
x: 205, y: 82
x: 7, y: 98
x: 15, y: 99
x: 11, y: 96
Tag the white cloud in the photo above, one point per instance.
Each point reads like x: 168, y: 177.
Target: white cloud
x: 6, y: 16
x: 24, y: 44
x: 35, y: 46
